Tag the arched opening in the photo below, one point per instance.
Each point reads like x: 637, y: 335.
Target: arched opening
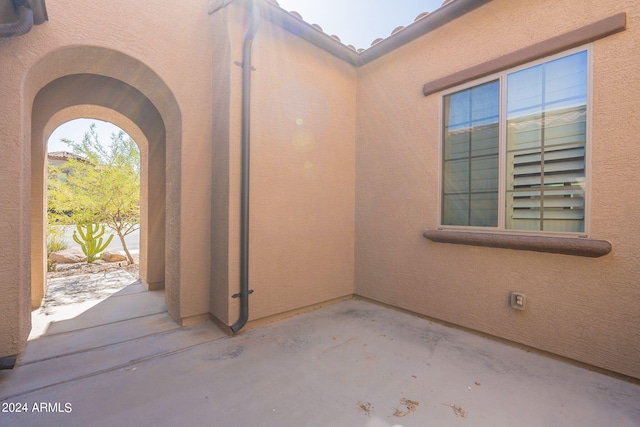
x: 61, y: 94
x: 118, y: 197
x: 107, y: 99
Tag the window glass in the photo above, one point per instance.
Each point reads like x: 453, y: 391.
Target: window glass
x: 471, y: 156
x: 546, y: 136
x: 542, y: 138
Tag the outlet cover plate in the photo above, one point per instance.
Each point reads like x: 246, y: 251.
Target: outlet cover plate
x: 517, y: 301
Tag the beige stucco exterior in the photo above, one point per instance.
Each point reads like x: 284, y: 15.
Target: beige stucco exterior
x: 302, y: 170
x: 344, y: 167
x: 582, y: 308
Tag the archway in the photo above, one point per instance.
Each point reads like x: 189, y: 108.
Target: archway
x: 154, y: 125
x: 108, y: 99
x: 59, y: 230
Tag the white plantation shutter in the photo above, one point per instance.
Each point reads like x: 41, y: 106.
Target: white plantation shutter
x: 546, y: 137
x: 535, y: 121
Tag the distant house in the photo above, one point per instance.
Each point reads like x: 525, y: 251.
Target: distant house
x: 478, y: 166
x: 58, y: 158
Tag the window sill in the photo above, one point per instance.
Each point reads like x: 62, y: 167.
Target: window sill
x: 557, y: 245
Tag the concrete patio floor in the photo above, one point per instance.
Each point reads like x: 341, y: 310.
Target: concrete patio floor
x: 117, y: 359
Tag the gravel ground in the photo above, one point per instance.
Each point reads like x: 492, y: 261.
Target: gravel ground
x: 81, y: 288
x: 99, y: 266
x: 83, y: 282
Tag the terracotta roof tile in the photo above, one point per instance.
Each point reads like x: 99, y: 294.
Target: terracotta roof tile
x: 62, y: 155
x: 296, y: 14
x: 401, y: 27
x: 419, y: 17
x: 337, y: 38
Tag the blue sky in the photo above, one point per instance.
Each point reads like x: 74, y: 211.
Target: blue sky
x: 356, y: 22
x: 75, y: 130
x: 359, y: 22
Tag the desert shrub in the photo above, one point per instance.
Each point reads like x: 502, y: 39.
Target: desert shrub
x: 55, y: 242
x: 55, y: 239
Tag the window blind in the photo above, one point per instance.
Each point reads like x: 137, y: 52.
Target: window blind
x: 546, y: 138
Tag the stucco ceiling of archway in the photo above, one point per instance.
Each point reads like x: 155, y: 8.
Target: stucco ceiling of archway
x: 98, y: 113
x: 103, y: 93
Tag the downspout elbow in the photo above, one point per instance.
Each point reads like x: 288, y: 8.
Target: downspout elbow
x: 7, y: 363
x: 244, y: 189
x: 22, y: 26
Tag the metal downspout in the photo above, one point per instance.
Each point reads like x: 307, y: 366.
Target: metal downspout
x: 244, y: 189
x: 24, y: 23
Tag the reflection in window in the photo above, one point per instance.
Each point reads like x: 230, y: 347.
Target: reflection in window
x: 542, y: 138
x: 546, y: 134
x: 471, y: 156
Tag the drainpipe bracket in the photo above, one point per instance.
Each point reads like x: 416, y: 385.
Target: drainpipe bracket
x: 241, y: 294
x: 241, y: 65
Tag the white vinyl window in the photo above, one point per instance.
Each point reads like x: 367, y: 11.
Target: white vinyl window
x: 514, y: 149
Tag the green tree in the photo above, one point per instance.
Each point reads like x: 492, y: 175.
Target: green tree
x: 102, y: 186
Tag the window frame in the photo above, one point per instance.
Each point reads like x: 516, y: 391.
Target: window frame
x: 501, y: 77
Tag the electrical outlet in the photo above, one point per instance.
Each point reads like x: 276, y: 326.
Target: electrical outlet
x: 517, y: 301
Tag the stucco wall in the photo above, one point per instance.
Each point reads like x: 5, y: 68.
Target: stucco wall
x: 581, y: 308
x: 15, y: 276
x: 169, y: 63
x: 303, y: 105
x: 303, y: 177
x: 225, y: 39
x: 344, y: 170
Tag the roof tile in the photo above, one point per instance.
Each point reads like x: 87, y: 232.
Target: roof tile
x: 296, y: 14
x: 337, y: 38
x: 419, y: 17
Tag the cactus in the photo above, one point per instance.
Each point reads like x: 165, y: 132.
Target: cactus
x: 91, y: 240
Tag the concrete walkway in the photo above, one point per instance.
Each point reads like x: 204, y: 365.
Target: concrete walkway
x: 124, y: 362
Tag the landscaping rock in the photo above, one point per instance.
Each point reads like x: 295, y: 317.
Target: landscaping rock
x: 113, y: 257
x: 98, y: 266
x: 68, y: 256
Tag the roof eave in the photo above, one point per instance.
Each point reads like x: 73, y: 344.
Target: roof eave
x: 430, y: 22
x: 300, y: 28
